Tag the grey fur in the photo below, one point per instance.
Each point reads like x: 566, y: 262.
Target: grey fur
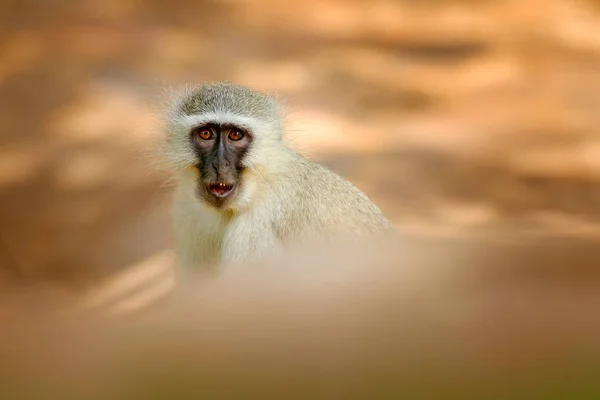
x: 240, y: 100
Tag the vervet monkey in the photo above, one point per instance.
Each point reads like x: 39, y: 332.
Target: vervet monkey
x: 242, y: 191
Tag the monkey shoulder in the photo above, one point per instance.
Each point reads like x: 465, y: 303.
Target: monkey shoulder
x: 318, y: 201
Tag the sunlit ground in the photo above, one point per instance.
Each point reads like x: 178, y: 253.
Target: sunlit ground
x: 450, y: 115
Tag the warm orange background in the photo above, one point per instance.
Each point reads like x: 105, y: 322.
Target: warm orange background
x: 449, y: 114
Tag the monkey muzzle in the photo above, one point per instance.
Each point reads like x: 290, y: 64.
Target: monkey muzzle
x: 220, y: 189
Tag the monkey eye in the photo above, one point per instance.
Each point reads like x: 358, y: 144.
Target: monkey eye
x: 204, y: 133
x: 235, y: 135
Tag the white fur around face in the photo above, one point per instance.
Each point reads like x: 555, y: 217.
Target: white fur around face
x: 266, y: 151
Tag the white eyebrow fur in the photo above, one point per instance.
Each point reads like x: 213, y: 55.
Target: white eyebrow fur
x: 219, y: 117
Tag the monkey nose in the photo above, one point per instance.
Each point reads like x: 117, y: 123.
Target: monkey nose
x: 220, y: 165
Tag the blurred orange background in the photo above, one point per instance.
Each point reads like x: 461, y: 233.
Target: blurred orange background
x: 449, y: 114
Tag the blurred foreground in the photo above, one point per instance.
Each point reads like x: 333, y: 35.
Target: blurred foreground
x: 423, y: 318
x: 451, y: 114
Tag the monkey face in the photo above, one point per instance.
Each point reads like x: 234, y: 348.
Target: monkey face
x: 220, y: 149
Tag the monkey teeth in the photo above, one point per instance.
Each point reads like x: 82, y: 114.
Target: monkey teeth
x: 220, y: 189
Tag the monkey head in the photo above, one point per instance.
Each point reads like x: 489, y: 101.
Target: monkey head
x: 219, y: 135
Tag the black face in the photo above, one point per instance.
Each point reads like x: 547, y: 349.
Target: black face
x: 220, y: 149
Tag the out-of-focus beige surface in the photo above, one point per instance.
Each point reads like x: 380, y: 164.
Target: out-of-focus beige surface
x: 420, y: 319
x: 448, y: 114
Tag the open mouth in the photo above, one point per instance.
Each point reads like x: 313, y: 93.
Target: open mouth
x: 220, y: 189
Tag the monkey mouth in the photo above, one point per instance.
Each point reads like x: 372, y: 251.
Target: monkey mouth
x: 220, y: 189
